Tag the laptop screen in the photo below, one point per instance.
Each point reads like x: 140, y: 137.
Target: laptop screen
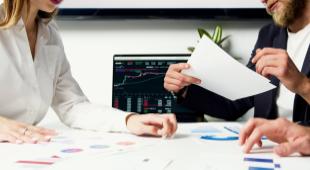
x: 138, y: 85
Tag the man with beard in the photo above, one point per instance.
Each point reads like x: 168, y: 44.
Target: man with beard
x: 282, y: 54
x: 293, y: 16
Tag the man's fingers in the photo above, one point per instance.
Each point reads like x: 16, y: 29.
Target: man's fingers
x: 255, y: 137
x: 301, y: 145
x: 248, y: 129
x: 183, y: 78
x: 266, y: 61
x: 178, y: 67
x: 305, y: 146
x: 259, y: 143
x: 171, y: 87
x: 270, y: 71
x: 285, y: 149
x: 265, y: 51
x: 175, y: 82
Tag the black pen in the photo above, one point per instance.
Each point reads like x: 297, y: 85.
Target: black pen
x: 251, y: 65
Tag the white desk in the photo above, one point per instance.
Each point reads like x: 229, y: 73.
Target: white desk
x: 185, y: 152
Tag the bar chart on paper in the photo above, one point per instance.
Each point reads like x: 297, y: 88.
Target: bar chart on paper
x: 73, y: 144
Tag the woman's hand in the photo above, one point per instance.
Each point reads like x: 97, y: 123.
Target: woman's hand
x: 164, y: 125
x: 16, y: 132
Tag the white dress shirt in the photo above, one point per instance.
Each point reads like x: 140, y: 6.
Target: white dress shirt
x: 297, y: 47
x: 29, y: 87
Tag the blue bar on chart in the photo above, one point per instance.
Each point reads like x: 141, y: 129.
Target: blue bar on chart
x: 277, y: 165
x: 258, y: 160
x: 219, y: 138
x: 260, y: 168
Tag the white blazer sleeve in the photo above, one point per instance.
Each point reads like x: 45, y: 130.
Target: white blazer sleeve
x: 74, y: 109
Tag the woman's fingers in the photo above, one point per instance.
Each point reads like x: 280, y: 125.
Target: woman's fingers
x: 17, y: 132
x: 166, y: 129
x: 43, y: 131
x: 38, y: 134
x: 5, y: 137
x: 162, y: 122
x: 152, y: 124
x: 149, y: 130
x: 173, y: 121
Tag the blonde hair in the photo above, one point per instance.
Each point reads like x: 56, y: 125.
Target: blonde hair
x: 13, y: 12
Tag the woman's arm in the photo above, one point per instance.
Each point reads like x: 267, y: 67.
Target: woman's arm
x: 76, y: 111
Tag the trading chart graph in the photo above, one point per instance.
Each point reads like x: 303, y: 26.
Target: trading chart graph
x: 138, y: 85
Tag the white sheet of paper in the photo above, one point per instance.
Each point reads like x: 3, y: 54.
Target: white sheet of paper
x: 222, y: 74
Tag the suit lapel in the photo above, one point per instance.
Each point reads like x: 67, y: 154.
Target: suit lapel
x: 306, y: 66
x: 279, y: 42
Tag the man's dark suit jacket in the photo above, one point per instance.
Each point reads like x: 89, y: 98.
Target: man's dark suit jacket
x: 264, y: 104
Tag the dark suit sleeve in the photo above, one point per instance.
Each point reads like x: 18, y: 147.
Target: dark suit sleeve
x: 207, y: 102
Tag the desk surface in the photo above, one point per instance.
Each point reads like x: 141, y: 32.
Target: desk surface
x: 74, y: 149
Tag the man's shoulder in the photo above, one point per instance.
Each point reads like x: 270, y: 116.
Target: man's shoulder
x: 268, y: 34
x: 270, y: 30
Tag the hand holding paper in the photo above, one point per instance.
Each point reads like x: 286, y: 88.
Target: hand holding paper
x: 222, y: 74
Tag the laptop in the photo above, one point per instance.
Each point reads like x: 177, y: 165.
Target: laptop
x: 138, y: 85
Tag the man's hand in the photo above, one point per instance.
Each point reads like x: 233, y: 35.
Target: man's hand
x: 290, y: 137
x: 164, y: 125
x: 276, y: 62
x: 175, y: 80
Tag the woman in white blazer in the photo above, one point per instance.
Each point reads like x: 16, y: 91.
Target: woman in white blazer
x: 35, y: 74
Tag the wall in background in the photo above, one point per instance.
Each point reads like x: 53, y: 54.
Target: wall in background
x: 90, y: 45
x: 161, y: 4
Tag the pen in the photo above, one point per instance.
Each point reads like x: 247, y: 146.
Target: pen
x: 251, y: 65
x: 237, y: 132
x: 231, y: 130
x: 168, y: 164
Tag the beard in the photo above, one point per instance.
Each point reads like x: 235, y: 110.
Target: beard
x: 291, y: 10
